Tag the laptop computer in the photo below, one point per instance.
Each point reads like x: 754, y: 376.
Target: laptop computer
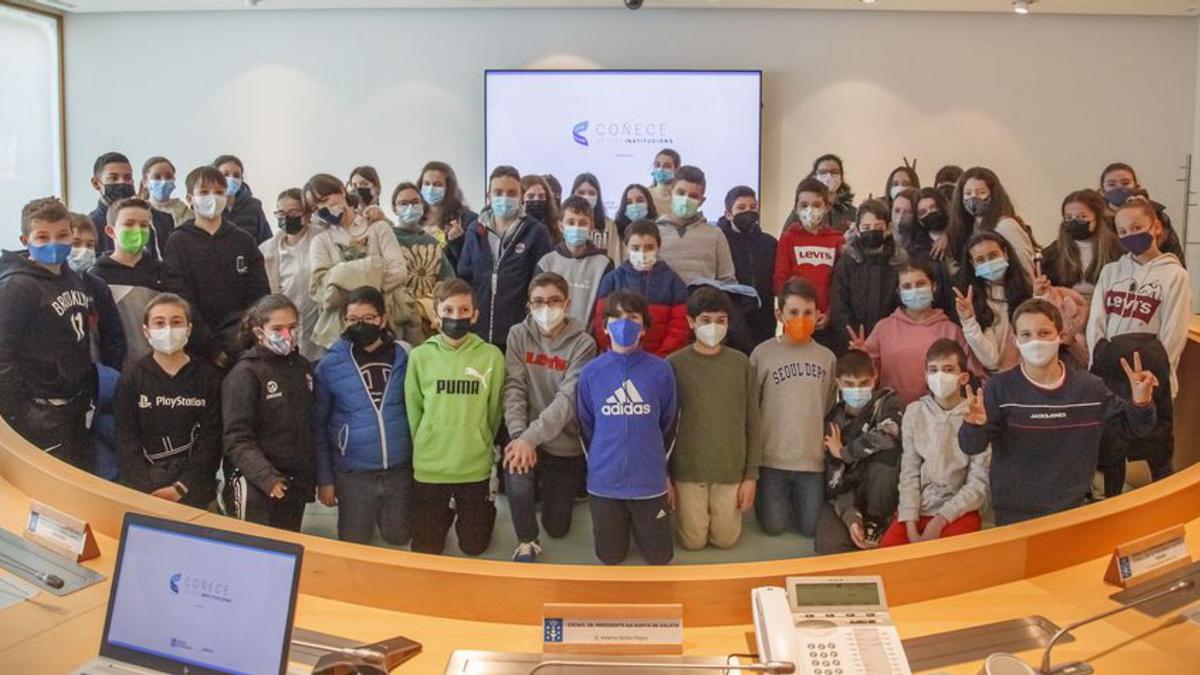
x: 189, y: 599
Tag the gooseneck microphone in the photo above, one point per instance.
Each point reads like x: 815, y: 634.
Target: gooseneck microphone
x: 51, y: 580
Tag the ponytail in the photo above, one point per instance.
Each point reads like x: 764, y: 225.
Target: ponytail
x: 258, y: 314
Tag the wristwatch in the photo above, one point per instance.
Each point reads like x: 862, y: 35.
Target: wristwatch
x: 180, y: 488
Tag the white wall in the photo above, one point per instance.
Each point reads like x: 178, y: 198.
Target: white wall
x: 1044, y: 100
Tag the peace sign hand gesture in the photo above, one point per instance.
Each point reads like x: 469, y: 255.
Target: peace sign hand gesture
x: 976, y: 412
x: 1041, y: 283
x: 858, y: 340
x: 1141, y: 382
x: 964, y: 304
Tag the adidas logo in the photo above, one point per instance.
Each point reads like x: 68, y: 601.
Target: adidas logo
x: 626, y: 400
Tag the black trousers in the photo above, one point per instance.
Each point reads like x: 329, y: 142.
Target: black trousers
x: 61, y: 430
x: 472, y: 514
x: 647, y: 519
x: 255, y: 506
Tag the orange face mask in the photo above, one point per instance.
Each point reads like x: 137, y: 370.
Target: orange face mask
x: 800, y: 328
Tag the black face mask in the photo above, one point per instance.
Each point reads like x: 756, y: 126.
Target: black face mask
x: 362, y: 334
x: 115, y: 192
x: 365, y: 194
x: 1078, y: 229
x: 537, y: 209
x: 935, y: 221
x: 872, y: 239
x: 456, y: 329
x: 291, y: 224
x: 747, y: 222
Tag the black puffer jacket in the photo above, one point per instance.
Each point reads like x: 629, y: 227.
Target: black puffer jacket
x: 246, y: 211
x: 266, y: 402
x: 1118, y: 443
x: 864, y: 290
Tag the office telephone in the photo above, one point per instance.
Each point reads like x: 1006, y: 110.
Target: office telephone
x: 828, y: 626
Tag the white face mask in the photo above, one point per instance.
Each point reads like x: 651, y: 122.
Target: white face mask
x: 896, y: 190
x: 711, y: 334
x: 548, y: 318
x: 167, y: 339
x: 643, y: 260
x: 943, y: 385
x: 81, y: 259
x: 812, y: 217
x: 832, y: 181
x: 208, y: 206
x: 1039, y: 352
x: 591, y: 200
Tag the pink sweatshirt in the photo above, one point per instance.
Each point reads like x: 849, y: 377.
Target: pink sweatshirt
x: 898, y: 345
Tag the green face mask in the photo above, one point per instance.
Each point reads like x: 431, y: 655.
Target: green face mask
x: 133, y: 240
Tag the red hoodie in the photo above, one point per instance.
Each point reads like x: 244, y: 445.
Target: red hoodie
x: 810, y: 256
x: 898, y: 344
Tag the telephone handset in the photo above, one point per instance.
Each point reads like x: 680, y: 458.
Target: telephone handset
x: 828, y: 626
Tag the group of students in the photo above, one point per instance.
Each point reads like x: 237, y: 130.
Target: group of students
x: 882, y: 373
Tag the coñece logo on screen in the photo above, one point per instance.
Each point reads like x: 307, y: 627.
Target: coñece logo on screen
x: 209, y: 589
x: 621, y: 132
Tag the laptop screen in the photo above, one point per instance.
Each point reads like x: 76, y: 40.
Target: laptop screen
x: 198, y: 601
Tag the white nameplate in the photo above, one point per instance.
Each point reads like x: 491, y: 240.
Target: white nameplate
x: 1149, y: 557
x: 613, y: 629
x: 70, y: 537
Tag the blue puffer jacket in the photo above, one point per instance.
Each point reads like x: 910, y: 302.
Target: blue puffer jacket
x: 348, y: 432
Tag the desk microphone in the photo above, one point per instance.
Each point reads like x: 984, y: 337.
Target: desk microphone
x: 51, y: 580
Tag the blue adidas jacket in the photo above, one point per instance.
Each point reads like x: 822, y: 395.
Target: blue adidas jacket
x: 627, y: 410
x: 348, y: 432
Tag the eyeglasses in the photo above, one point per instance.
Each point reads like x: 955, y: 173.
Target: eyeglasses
x: 369, y: 318
x: 552, y: 302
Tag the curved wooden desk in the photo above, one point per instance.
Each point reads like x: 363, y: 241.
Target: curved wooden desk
x: 1051, y: 566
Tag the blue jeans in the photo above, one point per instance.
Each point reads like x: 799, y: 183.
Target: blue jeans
x: 789, y: 497
x: 559, y: 480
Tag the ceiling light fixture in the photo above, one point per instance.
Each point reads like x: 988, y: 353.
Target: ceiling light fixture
x: 1022, y: 6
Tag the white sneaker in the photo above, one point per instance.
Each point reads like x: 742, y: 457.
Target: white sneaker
x: 527, y: 551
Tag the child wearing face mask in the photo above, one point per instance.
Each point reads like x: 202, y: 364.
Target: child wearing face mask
x: 714, y: 466
x: 662, y: 176
x: 636, y: 204
x: 243, y: 209
x: 691, y: 246
x: 604, y: 229
x: 1142, y: 303
x: 45, y: 354
x: 545, y: 354
x: 134, y: 277
x: 266, y: 402
x: 215, y: 265
x: 654, y: 280
x: 158, y: 186
x: 862, y: 460
x: 107, y: 336
x: 1086, y: 242
x: 829, y: 171
x: 578, y: 259
x: 112, y: 178
x: 286, y: 259
x: 446, y: 213
x: 865, y: 277
x: 981, y: 204
x: 501, y: 255
x: 898, y: 344
x: 796, y: 388
x: 809, y: 248
x: 900, y: 179
x: 424, y: 256
x: 1044, y: 420
x: 627, y: 406
x: 1119, y: 182
x: 538, y: 200
x: 168, y: 412
x: 753, y: 254
x: 360, y: 426
x: 941, y: 488
x: 453, y: 394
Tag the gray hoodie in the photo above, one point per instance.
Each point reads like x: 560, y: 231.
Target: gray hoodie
x: 583, y: 274
x: 539, y: 385
x: 936, y: 477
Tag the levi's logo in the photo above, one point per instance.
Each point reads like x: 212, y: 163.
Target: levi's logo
x: 814, y: 255
x: 551, y: 362
x: 1136, y: 302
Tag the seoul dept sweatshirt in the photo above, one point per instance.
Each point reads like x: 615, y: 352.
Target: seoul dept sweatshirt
x: 796, y: 388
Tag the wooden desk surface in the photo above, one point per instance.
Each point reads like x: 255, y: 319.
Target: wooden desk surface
x: 56, y: 634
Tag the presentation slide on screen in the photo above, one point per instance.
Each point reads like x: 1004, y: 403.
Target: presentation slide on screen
x: 218, y: 605
x: 612, y: 123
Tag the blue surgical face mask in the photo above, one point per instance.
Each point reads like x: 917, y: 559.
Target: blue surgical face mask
x: 410, y: 214
x: 505, y: 207
x: 684, y: 206
x: 992, y: 270
x: 856, y: 397
x: 637, y: 210
x: 624, y: 332
x: 662, y: 175
x: 232, y: 185
x: 917, y: 299
x: 160, y: 190
x: 576, y: 236
x: 52, y: 253
x: 433, y: 194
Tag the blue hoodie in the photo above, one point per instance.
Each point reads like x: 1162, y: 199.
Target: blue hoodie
x: 348, y: 431
x: 627, y: 408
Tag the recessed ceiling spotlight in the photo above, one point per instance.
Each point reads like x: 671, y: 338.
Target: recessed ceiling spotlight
x: 868, y: 2
x: 1022, y: 6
